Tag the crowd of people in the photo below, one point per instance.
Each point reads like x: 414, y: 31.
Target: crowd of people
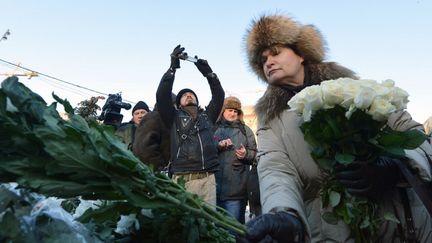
x: 215, y: 153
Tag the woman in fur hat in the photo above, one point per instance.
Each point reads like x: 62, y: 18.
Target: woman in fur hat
x: 237, y: 150
x: 289, y: 56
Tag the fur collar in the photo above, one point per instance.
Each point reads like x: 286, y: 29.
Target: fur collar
x: 275, y: 98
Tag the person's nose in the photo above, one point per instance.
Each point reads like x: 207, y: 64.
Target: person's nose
x: 269, y: 61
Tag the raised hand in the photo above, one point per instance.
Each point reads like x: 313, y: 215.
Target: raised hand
x: 203, y: 67
x: 175, y: 61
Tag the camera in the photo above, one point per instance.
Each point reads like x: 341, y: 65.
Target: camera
x: 111, y: 110
x: 184, y: 56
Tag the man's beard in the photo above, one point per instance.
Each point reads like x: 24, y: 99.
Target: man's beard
x: 190, y: 103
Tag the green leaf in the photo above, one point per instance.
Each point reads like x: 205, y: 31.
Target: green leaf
x: 334, y: 128
x: 413, y: 138
x: 70, y: 205
x: 389, y: 216
x: 330, y: 218
x: 318, y: 152
x: 326, y: 164
x: 67, y: 106
x: 110, y: 212
x: 344, y: 158
x: 335, y: 198
x: 397, y: 152
x: 10, y: 226
x: 391, y: 139
x: 365, y: 223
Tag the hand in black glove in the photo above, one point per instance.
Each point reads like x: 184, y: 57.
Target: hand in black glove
x: 203, y: 67
x: 175, y: 61
x: 280, y: 227
x: 368, y: 179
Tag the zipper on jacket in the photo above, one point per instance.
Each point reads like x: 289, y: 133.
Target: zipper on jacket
x: 178, y: 152
x: 201, y: 146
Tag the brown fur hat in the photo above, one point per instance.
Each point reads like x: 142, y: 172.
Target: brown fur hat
x: 272, y: 30
x: 232, y: 102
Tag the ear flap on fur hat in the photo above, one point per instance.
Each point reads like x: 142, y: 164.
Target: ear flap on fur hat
x: 272, y: 30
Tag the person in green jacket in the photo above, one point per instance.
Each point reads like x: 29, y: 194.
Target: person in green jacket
x: 126, y: 131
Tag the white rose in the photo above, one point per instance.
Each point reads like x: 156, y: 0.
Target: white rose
x: 310, y: 99
x: 297, y: 103
x: 368, y: 83
x: 388, y: 83
x: 364, y: 97
x: 399, y: 98
x: 332, y: 93
x: 350, y: 90
x: 381, y: 109
x: 350, y: 111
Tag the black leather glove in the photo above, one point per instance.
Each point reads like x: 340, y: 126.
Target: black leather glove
x: 175, y: 61
x: 279, y: 227
x: 368, y: 179
x: 203, y: 67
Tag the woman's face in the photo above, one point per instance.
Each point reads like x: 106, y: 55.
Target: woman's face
x: 282, y: 66
x: 230, y: 115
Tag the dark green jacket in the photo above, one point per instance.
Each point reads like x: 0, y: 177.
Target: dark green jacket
x: 126, y: 132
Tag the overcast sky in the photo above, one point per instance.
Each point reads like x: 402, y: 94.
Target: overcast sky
x: 124, y: 46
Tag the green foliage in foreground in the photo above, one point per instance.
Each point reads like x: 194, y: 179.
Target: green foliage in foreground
x: 70, y: 158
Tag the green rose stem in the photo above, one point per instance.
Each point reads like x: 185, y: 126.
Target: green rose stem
x: 204, y: 210
x: 75, y: 158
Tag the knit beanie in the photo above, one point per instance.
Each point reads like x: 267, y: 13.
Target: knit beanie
x: 140, y: 105
x: 181, y: 93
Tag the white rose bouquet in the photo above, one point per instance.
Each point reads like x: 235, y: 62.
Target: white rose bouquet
x: 345, y: 121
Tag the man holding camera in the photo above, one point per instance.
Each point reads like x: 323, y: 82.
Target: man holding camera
x: 194, y: 155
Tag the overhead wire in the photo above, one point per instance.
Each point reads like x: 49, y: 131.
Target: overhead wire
x: 59, y: 80
x: 52, y: 83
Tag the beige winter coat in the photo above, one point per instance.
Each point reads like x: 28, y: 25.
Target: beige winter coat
x: 290, y: 179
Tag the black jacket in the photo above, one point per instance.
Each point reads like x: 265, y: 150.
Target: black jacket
x: 152, y: 141
x: 197, y: 150
x: 231, y: 178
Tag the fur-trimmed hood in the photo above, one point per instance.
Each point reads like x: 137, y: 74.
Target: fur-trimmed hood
x: 275, y: 98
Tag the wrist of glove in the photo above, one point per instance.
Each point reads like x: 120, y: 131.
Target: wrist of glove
x: 369, y: 179
x: 280, y: 227
x: 203, y: 67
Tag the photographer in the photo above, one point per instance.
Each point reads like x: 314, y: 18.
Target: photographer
x: 194, y: 155
x: 127, y: 131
